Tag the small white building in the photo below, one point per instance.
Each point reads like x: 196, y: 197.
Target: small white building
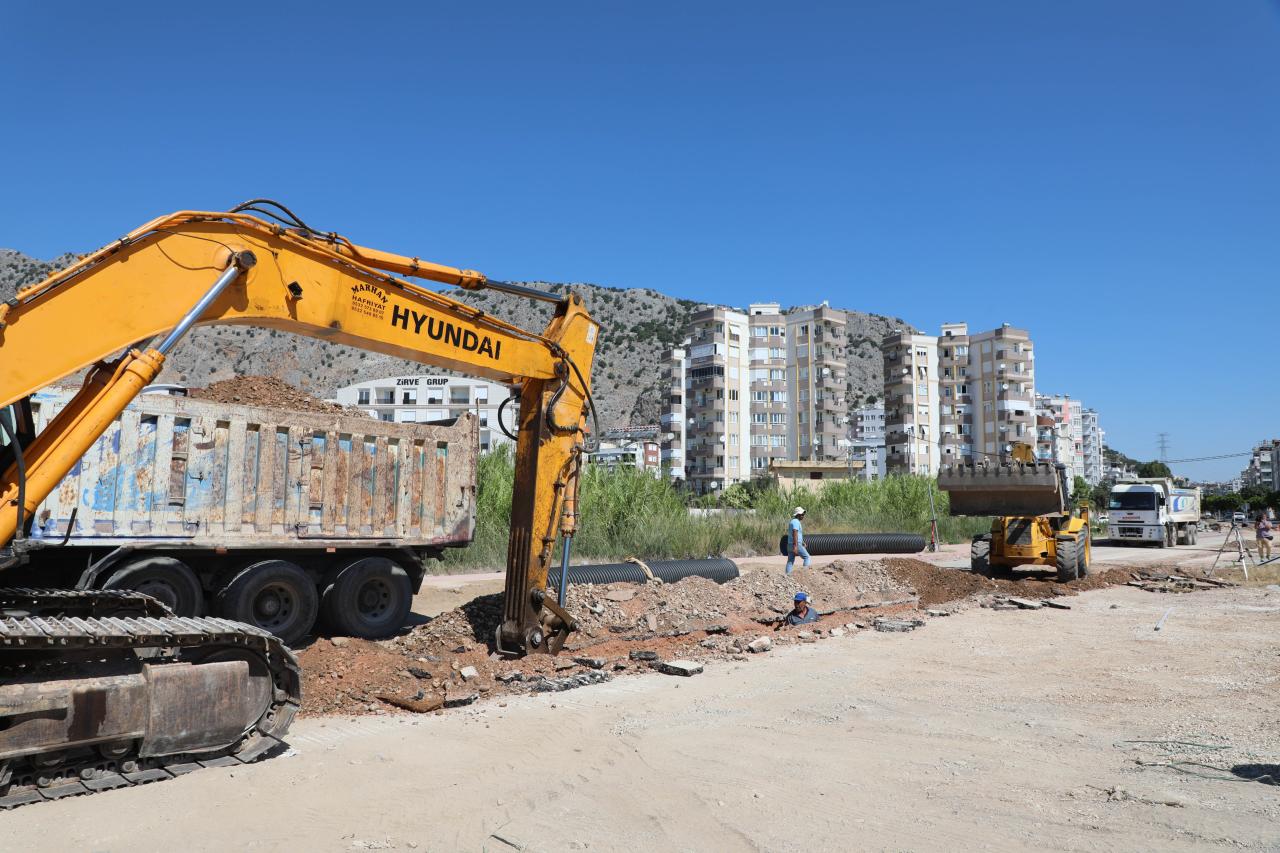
x: 428, y: 397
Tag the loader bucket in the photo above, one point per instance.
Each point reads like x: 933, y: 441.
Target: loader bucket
x: 1008, y: 489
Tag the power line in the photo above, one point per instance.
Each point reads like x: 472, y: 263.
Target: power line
x: 1162, y: 439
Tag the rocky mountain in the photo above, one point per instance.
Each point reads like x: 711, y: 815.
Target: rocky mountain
x: 637, y: 325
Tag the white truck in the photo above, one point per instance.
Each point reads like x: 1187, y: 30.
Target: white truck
x: 1153, y: 509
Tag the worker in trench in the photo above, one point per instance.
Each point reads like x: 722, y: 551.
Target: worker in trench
x: 802, y: 613
x: 795, y: 539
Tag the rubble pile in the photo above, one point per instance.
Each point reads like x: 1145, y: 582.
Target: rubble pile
x: 264, y: 391
x: 449, y: 661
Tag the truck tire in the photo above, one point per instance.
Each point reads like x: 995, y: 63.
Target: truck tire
x: 980, y: 554
x: 369, y: 598
x: 274, y: 595
x: 1180, y: 535
x: 1193, y: 533
x: 165, y: 579
x: 1066, y: 554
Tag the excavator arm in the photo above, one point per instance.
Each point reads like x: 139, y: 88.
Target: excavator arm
x: 197, y: 268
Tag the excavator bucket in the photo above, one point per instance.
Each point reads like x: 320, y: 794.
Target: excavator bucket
x: 1017, y: 488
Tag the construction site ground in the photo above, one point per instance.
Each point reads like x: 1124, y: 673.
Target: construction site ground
x: 985, y: 728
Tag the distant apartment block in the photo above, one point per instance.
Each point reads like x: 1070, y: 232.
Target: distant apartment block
x: 866, y: 440
x: 746, y: 392
x: 911, y: 401
x: 817, y: 375
x: 770, y: 409
x: 423, y: 398
x: 956, y: 397
x: 1002, y: 381
x: 1263, y: 470
x: 716, y: 400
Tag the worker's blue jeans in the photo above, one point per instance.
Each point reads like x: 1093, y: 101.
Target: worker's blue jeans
x: 791, y: 559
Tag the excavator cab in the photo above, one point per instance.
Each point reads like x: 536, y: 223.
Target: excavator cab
x: 1032, y: 522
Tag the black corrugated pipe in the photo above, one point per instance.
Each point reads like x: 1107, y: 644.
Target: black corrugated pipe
x: 670, y: 571
x: 827, y: 544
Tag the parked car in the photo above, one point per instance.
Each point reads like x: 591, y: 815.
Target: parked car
x: 1238, y: 518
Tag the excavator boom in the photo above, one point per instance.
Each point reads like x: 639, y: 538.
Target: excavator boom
x: 166, y: 692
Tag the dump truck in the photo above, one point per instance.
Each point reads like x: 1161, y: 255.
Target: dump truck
x: 106, y: 688
x: 1153, y: 510
x: 253, y: 513
x: 1032, y: 525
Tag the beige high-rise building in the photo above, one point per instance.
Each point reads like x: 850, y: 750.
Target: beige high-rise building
x: 673, y: 423
x: 957, y: 397
x: 716, y: 400
x: 770, y: 409
x: 1002, y: 383
x: 817, y: 379
x: 955, y: 400
x: 911, y: 403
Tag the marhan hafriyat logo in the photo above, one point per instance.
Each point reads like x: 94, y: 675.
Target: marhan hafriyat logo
x: 369, y: 299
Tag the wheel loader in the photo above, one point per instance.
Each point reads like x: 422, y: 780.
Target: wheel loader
x: 1033, y: 524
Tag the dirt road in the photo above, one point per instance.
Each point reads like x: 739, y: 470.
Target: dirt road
x: 983, y: 730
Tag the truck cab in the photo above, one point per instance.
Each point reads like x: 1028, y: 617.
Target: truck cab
x: 1153, y: 511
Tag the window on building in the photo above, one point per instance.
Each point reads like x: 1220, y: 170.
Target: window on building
x: 409, y: 396
x: 760, y: 396
x: 385, y: 396
x: 759, y: 418
x: 362, y: 397
x: 733, y: 393
x: 759, y: 331
x: 733, y: 417
x: 481, y: 393
x: 435, y: 396
x: 776, y: 331
x: 777, y: 374
x: 778, y: 417
x: 777, y: 396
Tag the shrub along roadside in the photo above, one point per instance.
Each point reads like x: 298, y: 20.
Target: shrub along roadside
x: 626, y: 512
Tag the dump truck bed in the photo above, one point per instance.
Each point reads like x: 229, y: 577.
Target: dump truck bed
x: 196, y: 473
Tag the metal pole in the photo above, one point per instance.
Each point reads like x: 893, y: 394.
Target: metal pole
x: 240, y: 262
x: 933, y: 518
x: 564, y: 570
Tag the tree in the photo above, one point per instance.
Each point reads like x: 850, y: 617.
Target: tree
x: 1100, y: 498
x: 1080, y: 490
x: 1154, y: 469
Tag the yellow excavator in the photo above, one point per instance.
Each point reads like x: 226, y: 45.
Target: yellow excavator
x: 106, y: 688
x: 1032, y: 525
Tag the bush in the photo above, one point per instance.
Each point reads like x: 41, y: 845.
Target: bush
x: 627, y: 512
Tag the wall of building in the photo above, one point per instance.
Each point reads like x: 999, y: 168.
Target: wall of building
x: 426, y: 397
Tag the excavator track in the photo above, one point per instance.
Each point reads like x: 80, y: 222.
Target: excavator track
x: 91, y: 701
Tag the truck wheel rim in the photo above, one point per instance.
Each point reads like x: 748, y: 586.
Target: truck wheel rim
x: 374, y: 598
x: 274, y: 606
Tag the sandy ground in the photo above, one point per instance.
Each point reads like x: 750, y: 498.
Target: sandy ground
x: 985, y: 730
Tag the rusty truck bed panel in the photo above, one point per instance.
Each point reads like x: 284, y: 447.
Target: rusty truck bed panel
x: 202, y: 474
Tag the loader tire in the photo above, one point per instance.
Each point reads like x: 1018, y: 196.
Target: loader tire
x: 980, y: 554
x: 1067, y: 558
x: 169, y: 581
x: 369, y: 598
x: 274, y: 595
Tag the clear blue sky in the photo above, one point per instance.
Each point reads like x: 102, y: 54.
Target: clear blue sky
x: 1106, y: 174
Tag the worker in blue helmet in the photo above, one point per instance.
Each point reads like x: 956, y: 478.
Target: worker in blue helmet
x: 802, y: 613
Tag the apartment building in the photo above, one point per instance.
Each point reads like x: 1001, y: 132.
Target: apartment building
x: 770, y: 409
x: 1060, y: 432
x: 1263, y: 470
x: 866, y: 440
x: 717, y: 400
x: 957, y: 396
x: 817, y: 384
x: 1001, y: 373
x: 1094, y: 438
x: 911, y: 401
x: 1069, y: 433
x: 673, y: 421
x: 423, y: 398
x: 955, y: 401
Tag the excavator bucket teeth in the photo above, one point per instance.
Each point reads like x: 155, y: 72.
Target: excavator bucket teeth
x: 1024, y: 489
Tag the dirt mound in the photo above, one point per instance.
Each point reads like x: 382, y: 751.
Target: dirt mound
x: 936, y: 585
x: 264, y: 391
x: 449, y: 661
